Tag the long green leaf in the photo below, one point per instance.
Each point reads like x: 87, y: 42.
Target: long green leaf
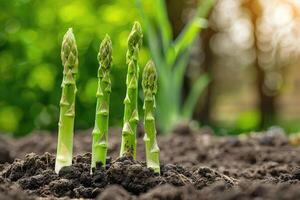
x: 156, y: 20
x: 152, y: 38
x: 179, y: 70
x: 163, y: 23
x: 192, y: 29
x: 196, y: 91
x: 186, y: 38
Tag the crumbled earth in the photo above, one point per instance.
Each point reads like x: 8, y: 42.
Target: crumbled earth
x: 36, y: 175
x: 194, y: 165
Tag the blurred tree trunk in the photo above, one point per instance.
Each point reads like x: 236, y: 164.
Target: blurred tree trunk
x: 175, y: 13
x: 266, y: 102
x: 203, y: 111
x: 175, y: 10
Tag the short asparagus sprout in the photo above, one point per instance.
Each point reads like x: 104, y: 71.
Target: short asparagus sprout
x: 69, y: 56
x: 131, y: 116
x: 100, y: 132
x: 149, y: 84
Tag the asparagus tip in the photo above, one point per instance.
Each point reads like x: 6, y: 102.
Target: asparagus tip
x: 105, y: 52
x: 69, y: 53
x: 136, y: 36
x: 150, y: 77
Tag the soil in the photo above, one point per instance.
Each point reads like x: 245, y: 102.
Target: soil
x: 194, y: 165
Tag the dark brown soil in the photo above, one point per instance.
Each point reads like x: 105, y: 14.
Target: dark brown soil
x: 258, y: 166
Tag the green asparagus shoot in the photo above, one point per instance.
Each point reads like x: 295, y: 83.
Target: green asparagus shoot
x: 69, y: 57
x: 100, y: 132
x: 149, y: 84
x: 131, y: 116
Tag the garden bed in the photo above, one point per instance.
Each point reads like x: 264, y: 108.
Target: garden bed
x: 195, y: 165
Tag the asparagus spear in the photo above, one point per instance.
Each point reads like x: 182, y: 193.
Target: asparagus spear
x: 149, y: 84
x: 128, y: 145
x: 100, y: 132
x: 69, y: 56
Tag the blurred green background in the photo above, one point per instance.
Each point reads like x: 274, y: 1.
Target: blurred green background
x: 250, y: 50
x: 31, y: 32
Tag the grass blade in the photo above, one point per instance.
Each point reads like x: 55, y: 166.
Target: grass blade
x: 192, y: 29
x: 196, y: 91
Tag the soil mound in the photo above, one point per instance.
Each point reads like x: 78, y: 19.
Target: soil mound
x: 36, y: 176
x: 257, y: 166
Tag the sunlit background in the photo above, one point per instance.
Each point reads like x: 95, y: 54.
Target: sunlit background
x: 256, y: 48
x: 251, y: 50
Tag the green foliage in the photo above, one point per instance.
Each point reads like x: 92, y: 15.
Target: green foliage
x: 171, y: 59
x: 30, y: 41
x: 248, y: 121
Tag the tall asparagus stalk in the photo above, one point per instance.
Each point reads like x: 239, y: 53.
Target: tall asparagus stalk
x: 149, y: 84
x: 100, y: 132
x: 69, y: 57
x: 131, y: 116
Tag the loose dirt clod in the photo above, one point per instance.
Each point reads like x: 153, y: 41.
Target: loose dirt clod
x: 114, y: 192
